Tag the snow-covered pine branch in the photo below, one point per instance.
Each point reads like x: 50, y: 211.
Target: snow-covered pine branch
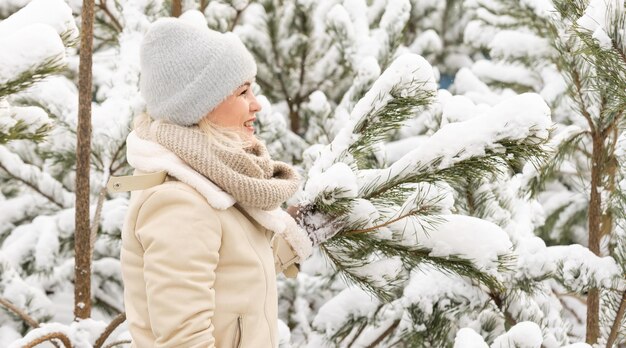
x: 378, y: 209
x: 34, y: 40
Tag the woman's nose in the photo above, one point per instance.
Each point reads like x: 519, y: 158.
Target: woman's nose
x: 255, y: 106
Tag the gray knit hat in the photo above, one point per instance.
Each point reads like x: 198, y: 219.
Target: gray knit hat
x: 186, y: 70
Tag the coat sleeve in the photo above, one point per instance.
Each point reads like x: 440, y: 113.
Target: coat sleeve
x: 285, y: 258
x: 181, y: 236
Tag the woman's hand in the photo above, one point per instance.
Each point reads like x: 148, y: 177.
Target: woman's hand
x: 294, y: 211
x: 319, y: 227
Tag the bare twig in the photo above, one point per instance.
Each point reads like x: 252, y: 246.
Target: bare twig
x: 32, y: 186
x: 617, y: 323
x: 583, y: 108
x: 232, y: 26
x: 386, y: 333
x: 20, y: 313
x: 568, y: 308
x: 49, y: 337
x: 95, y: 224
x: 118, y: 152
x: 374, y: 228
x: 117, y: 343
x: 116, y: 24
x: 572, y: 295
x: 109, y: 329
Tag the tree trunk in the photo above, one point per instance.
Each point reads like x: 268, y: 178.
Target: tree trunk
x: 177, y: 8
x: 82, y: 242
x: 595, y: 233
x: 295, y: 121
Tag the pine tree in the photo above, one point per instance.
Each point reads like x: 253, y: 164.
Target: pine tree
x: 38, y: 179
x: 573, y: 53
x: 24, y: 125
x: 282, y: 32
x: 427, y: 187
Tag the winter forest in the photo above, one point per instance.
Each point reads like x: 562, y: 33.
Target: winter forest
x: 473, y: 150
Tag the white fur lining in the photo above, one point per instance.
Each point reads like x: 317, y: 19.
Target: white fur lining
x: 150, y: 156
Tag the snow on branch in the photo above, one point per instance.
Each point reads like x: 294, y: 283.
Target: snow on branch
x: 54, y: 13
x: 403, y: 212
x: 33, y: 177
x: 29, y: 54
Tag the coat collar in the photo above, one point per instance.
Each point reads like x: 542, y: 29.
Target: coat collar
x: 149, y: 156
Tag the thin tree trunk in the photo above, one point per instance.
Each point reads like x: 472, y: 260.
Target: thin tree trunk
x: 617, y: 323
x: 595, y: 234
x: 82, y: 242
x: 177, y: 8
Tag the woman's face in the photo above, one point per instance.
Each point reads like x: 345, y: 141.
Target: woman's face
x: 237, y: 112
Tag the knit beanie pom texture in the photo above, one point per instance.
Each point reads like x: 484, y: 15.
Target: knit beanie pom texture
x: 186, y: 70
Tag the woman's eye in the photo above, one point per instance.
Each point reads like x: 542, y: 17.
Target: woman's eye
x: 244, y: 92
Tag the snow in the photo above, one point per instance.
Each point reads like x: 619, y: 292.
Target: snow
x: 542, y: 8
x: 54, y: 13
x: 8, y: 335
x: 396, y: 149
x: 404, y: 73
x: 381, y: 272
x: 409, y: 74
x: 603, y: 38
x: 522, y: 335
x: 475, y: 239
x: 460, y: 108
x: 395, y: 17
x: 16, y: 290
x: 465, y: 121
x: 357, y: 11
x: 47, y: 242
x: 427, y: 42
x: 516, y: 44
x: 599, y: 14
x: 194, y: 18
x: 514, y: 118
x: 349, y: 303
x: 20, y: 207
x: 218, y: 15
x: 338, y: 180
x: 32, y: 117
x: 468, y: 338
x: 81, y: 333
x: 506, y: 73
x: 430, y: 290
x: 27, y: 49
x: 33, y: 175
x: 363, y: 210
x: 580, y: 268
x: 437, y: 197
x: 478, y: 33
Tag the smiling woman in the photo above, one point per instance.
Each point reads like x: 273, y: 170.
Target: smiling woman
x: 236, y: 112
x: 204, y: 236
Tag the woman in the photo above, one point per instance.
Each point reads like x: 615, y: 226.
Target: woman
x: 204, y: 235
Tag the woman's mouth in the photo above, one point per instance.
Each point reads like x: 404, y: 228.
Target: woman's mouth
x: 249, y: 124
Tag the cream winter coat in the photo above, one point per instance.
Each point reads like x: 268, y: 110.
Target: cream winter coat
x: 198, y: 270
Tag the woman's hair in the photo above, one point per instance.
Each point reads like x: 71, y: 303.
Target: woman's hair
x: 224, y: 137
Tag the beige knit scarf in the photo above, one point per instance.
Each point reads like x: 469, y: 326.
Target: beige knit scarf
x: 249, y: 174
